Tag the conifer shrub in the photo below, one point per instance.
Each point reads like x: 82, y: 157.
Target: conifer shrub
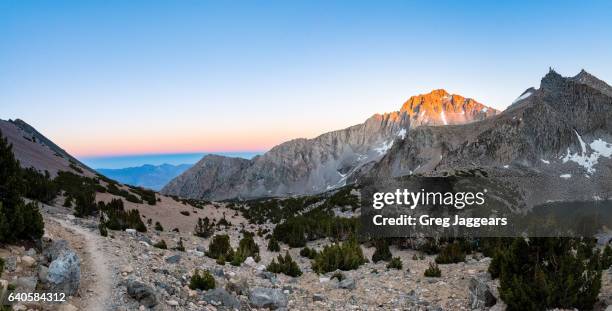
x: 39, y: 187
x: 548, y: 273
x: 221, y: 260
x: 18, y: 220
x: 313, y: 225
x: 308, y: 253
x: 382, y: 251
x: 273, y: 245
x: 146, y: 195
x: 430, y: 247
x: 433, y: 271
x: 202, y: 280
x: 1, y: 266
x: 67, y: 202
x: 204, y: 228
x: 220, y: 246
x: 606, y: 258
x: 344, y: 256
x: 161, y: 244
x: 179, y: 245
x: 115, y: 217
x: 158, y: 226
x: 103, y: 231
x: 285, y: 265
x: 451, y: 253
x: 395, y: 263
x: 246, y: 248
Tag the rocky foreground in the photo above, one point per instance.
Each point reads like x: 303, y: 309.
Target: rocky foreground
x: 125, y: 272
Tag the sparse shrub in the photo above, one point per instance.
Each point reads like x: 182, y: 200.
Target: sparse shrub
x: 161, y: 244
x: 273, y: 245
x: 430, y: 247
x: 116, y: 218
x: 451, y: 253
x: 246, y: 248
x: 186, y: 213
x: 395, y: 263
x: 158, y: 226
x: 308, y: 253
x: 285, y: 265
x: 202, y: 280
x: 204, y: 228
x: 433, y: 271
x: 103, y: 231
x: 220, y: 246
x: 1, y: 266
x: 221, y: 260
x: 606, y: 258
x: 345, y: 256
x: 382, y: 251
x: 67, y: 202
x: 179, y: 245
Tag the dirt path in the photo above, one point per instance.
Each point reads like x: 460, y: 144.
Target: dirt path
x: 96, y: 269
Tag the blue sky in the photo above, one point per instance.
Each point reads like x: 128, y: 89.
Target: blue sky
x: 132, y: 77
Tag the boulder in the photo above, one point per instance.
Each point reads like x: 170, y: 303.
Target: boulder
x: 10, y: 264
x: 28, y: 261
x: 271, y: 298
x: 480, y: 295
x: 220, y: 296
x: 250, y: 262
x: 31, y: 252
x: 66, y: 307
x: 43, y: 271
x: 54, y: 249
x: 143, y: 293
x: 26, y: 283
x: 238, y: 286
x: 173, y: 259
x: 64, y: 273
x: 347, y: 283
x: 318, y: 297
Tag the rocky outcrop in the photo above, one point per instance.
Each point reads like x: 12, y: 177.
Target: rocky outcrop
x: 64, y: 271
x: 480, y: 296
x: 270, y: 298
x: 560, y: 130
x: 306, y: 166
x: 143, y: 293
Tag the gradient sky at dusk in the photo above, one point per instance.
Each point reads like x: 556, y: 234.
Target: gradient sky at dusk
x: 130, y: 77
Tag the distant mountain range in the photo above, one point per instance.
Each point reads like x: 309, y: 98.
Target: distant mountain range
x: 148, y: 176
x: 560, y: 134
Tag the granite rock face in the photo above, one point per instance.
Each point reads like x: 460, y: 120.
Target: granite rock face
x: 560, y: 132
x: 331, y: 160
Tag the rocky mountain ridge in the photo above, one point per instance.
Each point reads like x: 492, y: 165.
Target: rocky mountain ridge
x: 305, y: 166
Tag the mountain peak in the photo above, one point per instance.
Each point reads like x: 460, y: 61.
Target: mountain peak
x: 438, y: 107
x: 586, y: 78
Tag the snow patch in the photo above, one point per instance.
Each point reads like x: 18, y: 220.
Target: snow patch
x: 384, y: 148
x: 443, y: 117
x: 566, y: 176
x: 600, y: 148
x: 506, y: 166
x: 518, y: 99
x: 485, y: 109
x: 545, y: 161
x: 402, y: 133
